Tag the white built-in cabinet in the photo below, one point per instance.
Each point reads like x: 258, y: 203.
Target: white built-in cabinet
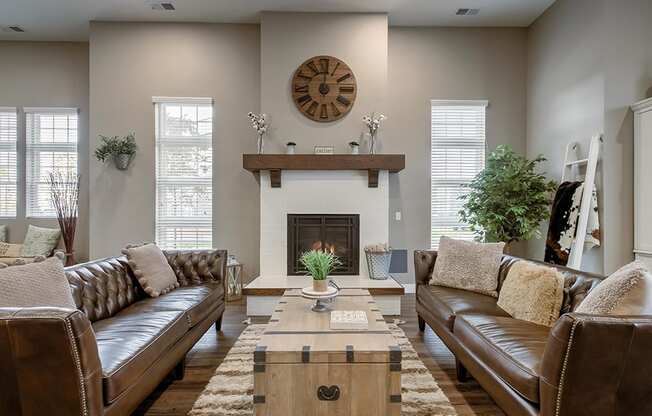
x: 643, y: 181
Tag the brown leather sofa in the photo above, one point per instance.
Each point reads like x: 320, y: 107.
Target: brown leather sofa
x: 108, y: 355
x: 585, y: 365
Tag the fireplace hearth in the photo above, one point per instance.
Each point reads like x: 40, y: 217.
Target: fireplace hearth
x: 336, y: 233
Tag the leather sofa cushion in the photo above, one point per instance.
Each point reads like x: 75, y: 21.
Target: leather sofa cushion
x: 130, y: 343
x: 445, y: 302
x: 196, y: 301
x: 512, y: 348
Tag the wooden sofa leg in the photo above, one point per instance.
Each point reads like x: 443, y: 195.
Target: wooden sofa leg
x: 179, y: 370
x: 422, y: 323
x: 461, y: 372
x: 218, y: 324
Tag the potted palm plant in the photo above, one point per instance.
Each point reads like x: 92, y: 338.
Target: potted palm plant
x: 319, y: 265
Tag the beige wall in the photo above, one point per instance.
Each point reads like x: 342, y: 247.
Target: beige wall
x: 287, y: 40
x: 588, y: 61
x: 455, y: 64
x: 47, y: 74
x: 132, y: 62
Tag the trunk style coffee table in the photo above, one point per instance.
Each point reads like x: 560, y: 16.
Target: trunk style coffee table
x: 304, y: 368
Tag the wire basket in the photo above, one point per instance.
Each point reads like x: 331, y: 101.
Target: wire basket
x: 378, y: 263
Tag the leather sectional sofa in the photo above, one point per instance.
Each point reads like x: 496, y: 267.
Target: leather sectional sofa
x: 584, y: 365
x: 108, y: 355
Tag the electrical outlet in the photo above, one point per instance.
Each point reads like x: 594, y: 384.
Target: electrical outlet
x: 397, y: 215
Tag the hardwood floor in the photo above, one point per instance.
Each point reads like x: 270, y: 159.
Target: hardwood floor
x: 177, y: 397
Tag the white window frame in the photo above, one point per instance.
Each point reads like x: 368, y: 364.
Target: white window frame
x: 439, y: 224
x: 33, y: 177
x: 9, y: 147
x: 161, y: 222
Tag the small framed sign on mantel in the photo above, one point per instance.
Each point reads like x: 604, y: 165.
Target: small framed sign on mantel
x: 324, y: 150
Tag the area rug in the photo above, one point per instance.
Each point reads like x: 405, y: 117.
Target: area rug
x: 230, y: 390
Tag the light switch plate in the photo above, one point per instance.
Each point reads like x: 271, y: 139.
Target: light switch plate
x: 397, y: 215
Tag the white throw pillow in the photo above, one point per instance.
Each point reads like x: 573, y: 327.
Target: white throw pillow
x: 533, y: 293
x: 627, y: 291
x: 36, y: 284
x: 468, y: 265
x: 151, y: 268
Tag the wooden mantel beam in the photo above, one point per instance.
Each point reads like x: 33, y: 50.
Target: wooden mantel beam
x: 275, y: 163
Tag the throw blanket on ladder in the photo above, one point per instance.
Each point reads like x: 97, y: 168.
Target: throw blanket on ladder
x: 563, y: 222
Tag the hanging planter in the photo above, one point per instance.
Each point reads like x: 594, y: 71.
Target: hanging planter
x: 119, y: 149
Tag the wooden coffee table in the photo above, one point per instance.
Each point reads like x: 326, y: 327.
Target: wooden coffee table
x: 304, y: 368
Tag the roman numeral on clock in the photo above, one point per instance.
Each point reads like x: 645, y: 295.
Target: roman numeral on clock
x: 323, y: 111
x: 323, y: 63
x: 335, y: 111
x: 304, y: 76
x: 311, y: 110
x: 343, y: 77
x: 302, y: 88
x: 303, y: 99
x: 312, y: 67
x: 347, y: 89
x: 342, y: 99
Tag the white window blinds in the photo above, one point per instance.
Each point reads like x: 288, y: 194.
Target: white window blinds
x: 8, y: 170
x: 457, y: 154
x: 184, y: 172
x: 51, y: 146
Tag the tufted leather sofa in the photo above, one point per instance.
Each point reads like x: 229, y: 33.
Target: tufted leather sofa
x: 108, y: 355
x: 584, y: 365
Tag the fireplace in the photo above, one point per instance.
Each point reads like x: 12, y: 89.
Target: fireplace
x: 337, y: 233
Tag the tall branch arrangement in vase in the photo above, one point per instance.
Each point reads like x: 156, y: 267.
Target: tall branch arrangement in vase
x: 64, y: 194
x: 373, y: 124
x: 259, y: 123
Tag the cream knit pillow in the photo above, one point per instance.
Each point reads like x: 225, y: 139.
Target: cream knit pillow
x: 533, y: 293
x: 151, y: 268
x: 627, y: 291
x: 468, y: 265
x: 35, y: 284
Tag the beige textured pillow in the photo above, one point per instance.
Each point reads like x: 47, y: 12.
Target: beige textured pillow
x: 151, y: 268
x: 36, y: 284
x: 627, y: 291
x: 533, y: 293
x: 10, y: 250
x: 468, y: 265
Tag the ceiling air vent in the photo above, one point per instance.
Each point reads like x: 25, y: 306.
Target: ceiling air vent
x: 12, y: 29
x: 467, y: 12
x: 161, y: 5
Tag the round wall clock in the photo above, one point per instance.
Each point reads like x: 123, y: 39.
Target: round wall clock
x: 324, y: 88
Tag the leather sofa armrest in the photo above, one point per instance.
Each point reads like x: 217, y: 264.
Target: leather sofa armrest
x: 194, y: 267
x: 49, y: 363
x: 424, y: 262
x: 597, y: 365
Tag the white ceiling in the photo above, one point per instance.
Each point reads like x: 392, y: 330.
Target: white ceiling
x: 68, y: 19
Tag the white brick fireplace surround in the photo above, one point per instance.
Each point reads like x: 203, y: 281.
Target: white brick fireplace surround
x: 318, y: 192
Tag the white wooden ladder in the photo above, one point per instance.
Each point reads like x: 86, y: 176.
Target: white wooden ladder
x: 571, y: 172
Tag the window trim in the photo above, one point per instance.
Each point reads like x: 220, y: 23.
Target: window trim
x: 159, y: 139
x: 7, y: 146
x: 68, y: 147
x: 482, y: 103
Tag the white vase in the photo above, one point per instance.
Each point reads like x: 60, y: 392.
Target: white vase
x: 355, y: 150
x: 289, y: 150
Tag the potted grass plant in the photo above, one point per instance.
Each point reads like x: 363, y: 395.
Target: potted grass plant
x: 319, y: 265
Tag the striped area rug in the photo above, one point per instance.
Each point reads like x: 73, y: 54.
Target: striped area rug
x: 230, y: 390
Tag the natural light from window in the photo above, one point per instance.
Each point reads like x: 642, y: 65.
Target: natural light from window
x: 457, y: 154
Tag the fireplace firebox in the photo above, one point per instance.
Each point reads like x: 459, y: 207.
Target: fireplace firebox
x: 337, y: 233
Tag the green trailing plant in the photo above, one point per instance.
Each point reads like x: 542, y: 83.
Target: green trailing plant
x: 319, y: 263
x: 113, y: 146
x: 508, y: 200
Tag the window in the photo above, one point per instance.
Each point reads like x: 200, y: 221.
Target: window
x: 51, y: 146
x: 457, y: 154
x: 184, y: 172
x: 8, y: 177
